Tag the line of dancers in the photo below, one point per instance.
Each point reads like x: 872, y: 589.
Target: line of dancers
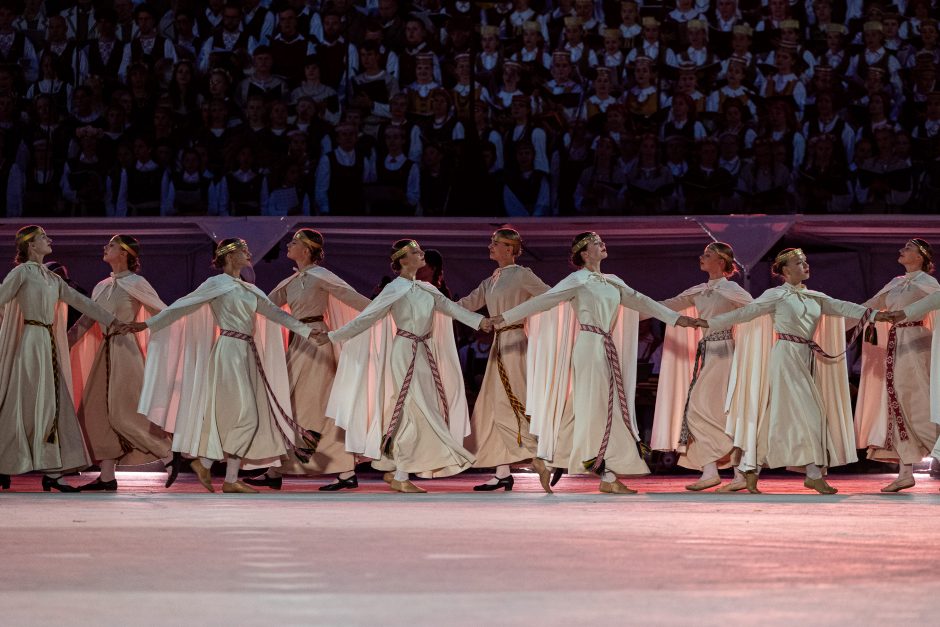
x: 314, y: 377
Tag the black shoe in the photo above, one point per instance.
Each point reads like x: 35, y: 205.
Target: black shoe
x: 99, y: 486
x: 556, y: 476
x: 48, y: 484
x: 264, y: 481
x: 341, y: 484
x: 174, y: 469
x: 5, y: 482
x: 505, y: 482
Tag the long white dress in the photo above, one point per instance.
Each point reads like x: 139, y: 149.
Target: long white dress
x: 908, y: 435
x: 917, y: 311
x: 33, y: 362
x: 317, y: 293
x: 424, y: 443
x: 571, y: 427
x: 799, y: 416
x: 694, y: 424
x: 206, y: 388
x: 496, y: 429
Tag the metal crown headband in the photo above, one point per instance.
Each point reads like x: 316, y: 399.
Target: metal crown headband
x: 401, y: 252
x: 22, y: 239
x: 302, y: 236
x: 224, y: 250
x: 923, y: 251
x: 581, y: 243
x: 782, y: 257
x: 130, y: 251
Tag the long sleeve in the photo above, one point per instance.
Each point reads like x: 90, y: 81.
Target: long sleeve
x: 455, y: 311
x: 538, y: 304
x: 475, y: 300
x: 877, y: 301
x: 376, y: 310
x: 678, y: 303
x: 87, y: 306
x: 916, y: 311
x: 279, y: 297
x: 323, y: 185
x: 632, y: 299
x: 532, y: 284
x: 346, y: 295
x: 11, y: 285
x: 170, y: 315
x: 80, y: 328
x: 764, y: 305
x: 275, y: 314
x: 836, y: 307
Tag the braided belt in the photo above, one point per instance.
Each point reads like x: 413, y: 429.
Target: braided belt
x: 816, y: 348
x: 717, y: 336
x: 406, y: 385
x: 53, y: 432
x: 614, y: 381
x: 310, y: 438
x: 517, y: 406
x: 310, y: 319
x: 894, y: 406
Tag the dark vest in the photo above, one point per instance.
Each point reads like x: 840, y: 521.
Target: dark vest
x: 526, y: 189
x: 393, y: 187
x: 253, y: 28
x: 333, y: 62
x: 345, y: 191
x: 156, y: 52
x: 190, y: 198
x: 289, y: 59
x: 87, y: 180
x: 97, y: 66
x: 144, y: 192
x: 244, y: 197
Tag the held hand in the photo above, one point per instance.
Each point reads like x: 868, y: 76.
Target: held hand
x: 486, y: 325
x: 320, y: 338
x: 497, y: 321
x: 131, y: 327
x: 893, y: 317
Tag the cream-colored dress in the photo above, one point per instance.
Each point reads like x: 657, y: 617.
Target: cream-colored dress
x: 108, y: 412
x: 237, y: 401
x: 708, y: 442
x: 794, y: 431
x: 596, y: 302
x: 422, y: 443
x: 27, y: 413
x: 911, y: 375
x: 311, y: 369
x: 496, y: 429
x: 917, y: 311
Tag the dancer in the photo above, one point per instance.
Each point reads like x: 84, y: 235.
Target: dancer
x: 225, y: 398
x: 693, y: 375
x: 39, y: 430
x: 786, y: 406
x: 322, y: 300
x: 598, y: 365
x: 108, y: 371
x: 892, y: 414
x: 500, y: 425
x: 401, y: 399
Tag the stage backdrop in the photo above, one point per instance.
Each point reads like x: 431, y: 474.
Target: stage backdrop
x: 851, y: 257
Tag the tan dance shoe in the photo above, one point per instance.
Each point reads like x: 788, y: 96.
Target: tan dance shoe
x: 388, y: 477
x: 238, y: 488
x: 406, y: 486
x: 751, y: 478
x: 819, y: 485
x: 703, y: 484
x: 899, y: 484
x: 203, y: 474
x: 545, y: 475
x: 615, y: 487
x: 734, y: 486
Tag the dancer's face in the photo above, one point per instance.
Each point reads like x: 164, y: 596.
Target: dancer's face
x: 412, y: 260
x: 500, y: 252
x: 41, y: 244
x: 112, y: 252
x: 595, y: 251
x: 909, y: 255
x: 796, y: 269
x: 298, y: 251
x: 710, y: 262
x: 238, y: 259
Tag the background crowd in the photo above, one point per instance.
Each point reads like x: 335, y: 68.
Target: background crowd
x: 432, y: 107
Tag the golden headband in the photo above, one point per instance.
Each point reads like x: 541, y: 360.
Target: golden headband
x: 130, y: 251
x: 22, y: 239
x: 923, y: 251
x: 401, y: 252
x: 724, y: 256
x: 785, y: 256
x: 303, y: 237
x: 584, y: 241
x: 224, y: 250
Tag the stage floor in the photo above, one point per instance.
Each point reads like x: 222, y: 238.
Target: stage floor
x: 146, y: 556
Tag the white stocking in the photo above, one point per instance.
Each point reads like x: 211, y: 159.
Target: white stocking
x: 905, y: 471
x: 401, y: 475
x: 231, y: 469
x: 608, y: 476
x: 206, y: 463
x: 107, y: 470
x: 710, y: 470
x: 502, y: 471
x: 272, y: 473
x: 813, y: 471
